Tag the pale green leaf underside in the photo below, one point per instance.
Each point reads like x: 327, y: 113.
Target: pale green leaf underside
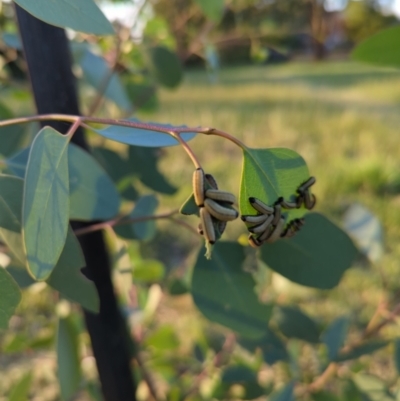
x: 46, y: 202
x: 80, y: 15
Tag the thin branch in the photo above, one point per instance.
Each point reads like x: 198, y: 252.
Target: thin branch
x: 187, y: 148
x: 148, y: 378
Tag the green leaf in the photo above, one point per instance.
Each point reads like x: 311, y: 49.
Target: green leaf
x: 148, y: 270
x: 142, y: 95
x: 224, y: 293
x: 20, y: 275
x: 80, y: 15
x: 335, y: 335
x: 397, y: 354
x: 69, y: 371
x: 324, y: 396
x: 46, y: 202
x: 272, y: 347
x: 96, y: 73
x: 316, y: 257
x: 381, y: 48
x: 166, y: 66
x: 143, y: 162
x: 93, y: 195
x: 20, y: 391
x: 213, y: 9
x: 294, y: 323
x: 112, y: 162
x: 163, y: 339
x: 189, y: 207
x: 145, y: 230
x: 10, y: 295
x: 286, y: 394
x: 374, y: 388
x: 177, y: 287
x: 11, y: 136
x: 141, y: 137
x: 364, y: 349
x: 68, y: 279
x: 269, y: 174
x: 238, y: 374
x: 11, y: 189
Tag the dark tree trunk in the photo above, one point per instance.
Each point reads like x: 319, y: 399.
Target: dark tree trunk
x: 49, y: 63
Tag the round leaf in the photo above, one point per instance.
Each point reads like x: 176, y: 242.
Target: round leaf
x: 316, y: 257
x: 224, y: 293
x: 46, y: 202
x: 166, y: 66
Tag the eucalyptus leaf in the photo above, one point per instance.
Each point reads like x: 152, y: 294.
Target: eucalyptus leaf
x: 20, y: 275
x: 164, y: 338
x: 80, y: 15
x: 69, y: 371
x: 294, y: 323
x: 238, y: 374
x: 363, y: 349
x: 381, y: 48
x: 143, y: 163
x: 224, y: 293
x: 46, y: 202
x: 11, y: 190
x: 11, y: 136
x: 143, y: 137
x: 10, y: 296
x: 272, y: 347
x: 269, y: 174
x: 316, y: 257
x: 145, y: 230
x: 93, y: 195
x: 97, y: 73
x: 68, y: 279
x: 397, y: 354
x: 148, y: 270
x: 166, y: 66
x: 213, y: 9
x: 335, y: 335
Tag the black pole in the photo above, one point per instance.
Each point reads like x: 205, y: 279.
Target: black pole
x: 49, y: 63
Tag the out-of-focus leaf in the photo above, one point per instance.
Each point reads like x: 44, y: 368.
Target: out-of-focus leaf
x: 372, y: 387
x: 97, y: 72
x: 143, y: 162
x: 142, y: 95
x: 268, y: 174
x: 12, y: 40
x: 148, y: 271
x: 238, y: 374
x: 67, y: 278
x: 366, y: 230
x: 20, y: 275
x: 272, y: 347
x: 20, y: 391
x: 213, y: 9
x: 11, y: 136
x: 364, y: 349
x: 145, y: 231
x: 163, y: 339
x: 152, y: 138
x: 177, y: 287
x: 166, y: 66
x: 286, y: 394
x: 224, y: 293
x: 116, y: 167
x: 10, y: 295
x: 335, y: 335
x: 189, y: 207
x: 397, y: 354
x: 381, y: 48
x: 45, y: 208
x: 294, y: 323
x: 316, y: 257
x: 11, y: 189
x: 69, y: 371
x: 324, y: 396
x: 80, y: 15
x: 93, y: 195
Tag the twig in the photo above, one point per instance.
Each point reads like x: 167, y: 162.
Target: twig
x: 147, y: 378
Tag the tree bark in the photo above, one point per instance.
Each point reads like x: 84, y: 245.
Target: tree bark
x: 54, y: 88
